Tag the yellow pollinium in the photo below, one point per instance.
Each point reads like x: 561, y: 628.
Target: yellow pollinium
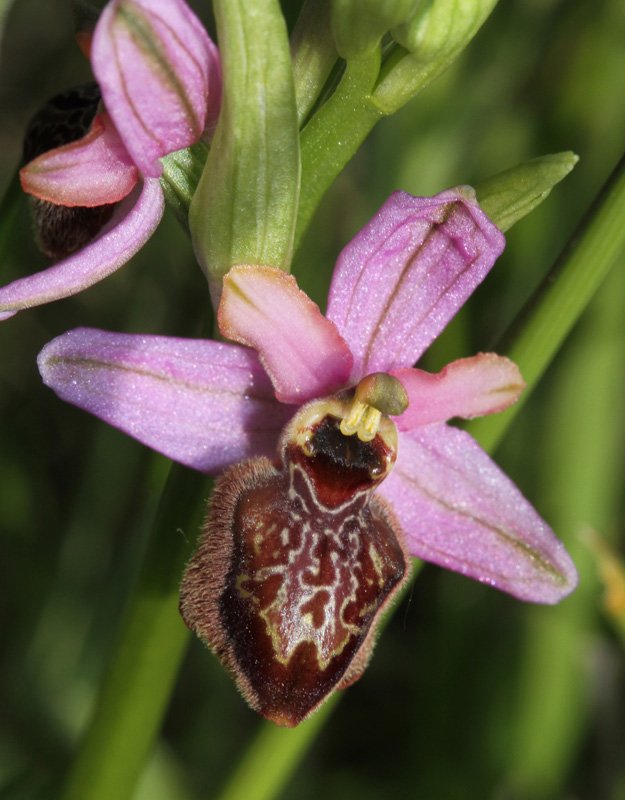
x: 363, y: 420
x: 375, y: 395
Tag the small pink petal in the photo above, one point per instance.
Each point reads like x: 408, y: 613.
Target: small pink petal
x: 91, y: 171
x: 305, y: 356
x: 205, y: 404
x: 401, y: 279
x: 131, y: 226
x: 159, y: 74
x: 459, y: 510
x: 469, y: 387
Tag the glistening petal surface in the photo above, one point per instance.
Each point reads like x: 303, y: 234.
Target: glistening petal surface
x: 91, y: 171
x: 205, y: 404
x: 303, y: 353
x: 132, y: 224
x: 402, y: 278
x: 159, y: 74
x: 469, y: 387
x: 459, y: 510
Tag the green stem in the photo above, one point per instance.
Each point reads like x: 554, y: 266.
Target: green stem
x: 152, y: 642
x: 542, y: 326
x: 335, y: 133
x: 274, y: 756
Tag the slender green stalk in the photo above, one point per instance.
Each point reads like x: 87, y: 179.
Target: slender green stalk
x: 152, y: 642
x: 274, y: 756
x: 539, y: 331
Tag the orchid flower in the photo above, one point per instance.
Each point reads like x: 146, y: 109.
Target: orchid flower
x: 396, y: 285
x: 159, y: 76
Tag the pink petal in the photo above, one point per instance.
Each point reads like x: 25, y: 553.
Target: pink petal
x: 301, y: 350
x: 469, y: 387
x: 206, y: 404
x: 91, y: 171
x: 159, y: 74
x: 460, y: 511
x: 131, y: 226
x: 403, y: 277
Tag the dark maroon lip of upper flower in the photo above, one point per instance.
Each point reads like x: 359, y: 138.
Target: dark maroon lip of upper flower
x: 64, y: 118
x: 340, y: 466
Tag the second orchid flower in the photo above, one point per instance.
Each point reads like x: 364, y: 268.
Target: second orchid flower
x: 159, y: 77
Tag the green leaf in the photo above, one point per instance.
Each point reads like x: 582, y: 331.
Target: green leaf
x: 358, y: 25
x: 246, y: 202
x: 510, y: 195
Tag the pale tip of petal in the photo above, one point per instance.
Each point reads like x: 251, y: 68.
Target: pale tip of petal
x: 469, y: 387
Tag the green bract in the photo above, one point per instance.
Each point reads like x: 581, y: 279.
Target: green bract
x: 246, y: 202
x: 510, y: 195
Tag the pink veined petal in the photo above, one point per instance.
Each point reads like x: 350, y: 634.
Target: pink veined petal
x: 132, y: 224
x: 302, y: 351
x: 159, y: 74
x: 91, y: 171
x: 205, y: 404
x: 402, y: 278
x: 469, y: 387
x: 459, y: 510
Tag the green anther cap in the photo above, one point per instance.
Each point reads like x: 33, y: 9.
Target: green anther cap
x: 384, y: 392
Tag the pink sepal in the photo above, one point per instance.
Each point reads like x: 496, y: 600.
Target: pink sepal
x: 132, y: 224
x: 205, y: 404
x: 469, y: 387
x: 159, y: 74
x: 459, y: 510
x: 91, y: 171
x: 303, y: 353
x: 401, y: 279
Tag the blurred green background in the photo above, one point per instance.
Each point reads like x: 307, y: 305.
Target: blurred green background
x: 470, y: 694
